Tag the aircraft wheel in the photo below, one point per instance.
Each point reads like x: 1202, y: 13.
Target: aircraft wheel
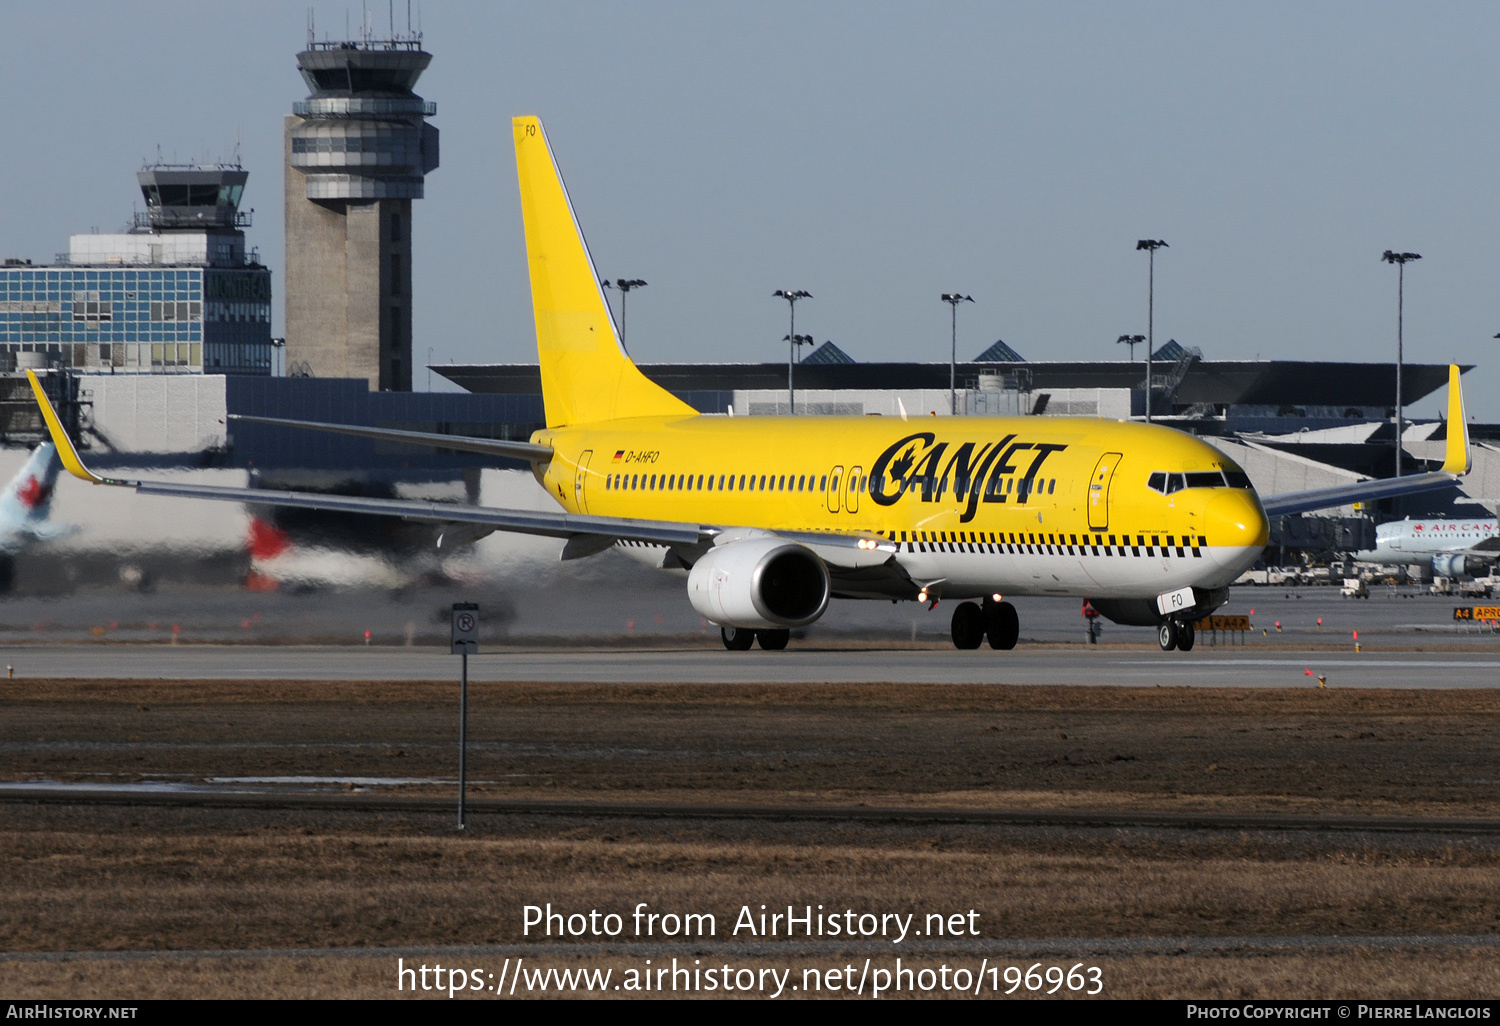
x: 1166, y: 635
x: 737, y: 639
x: 773, y: 641
x: 1186, y: 635
x: 968, y: 626
x: 1003, y: 626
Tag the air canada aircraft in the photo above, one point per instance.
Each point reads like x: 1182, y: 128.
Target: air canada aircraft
x: 771, y: 517
x: 1452, y: 547
x: 26, y: 503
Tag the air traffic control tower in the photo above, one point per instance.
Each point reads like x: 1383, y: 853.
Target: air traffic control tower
x: 356, y: 152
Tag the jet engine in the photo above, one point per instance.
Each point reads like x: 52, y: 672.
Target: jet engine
x: 1447, y: 565
x: 759, y: 583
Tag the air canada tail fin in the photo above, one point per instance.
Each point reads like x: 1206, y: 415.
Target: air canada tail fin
x: 28, y: 497
x: 586, y: 374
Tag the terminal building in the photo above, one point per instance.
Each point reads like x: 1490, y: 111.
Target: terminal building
x: 179, y: 293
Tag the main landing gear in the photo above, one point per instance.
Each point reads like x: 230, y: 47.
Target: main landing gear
x: 997, y: 621
x: 740, y: 639
x: 1178, y: 634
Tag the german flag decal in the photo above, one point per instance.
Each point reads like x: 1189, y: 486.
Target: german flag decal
x: 619, y: 455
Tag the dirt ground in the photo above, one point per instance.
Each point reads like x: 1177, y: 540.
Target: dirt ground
x: 150, y: 879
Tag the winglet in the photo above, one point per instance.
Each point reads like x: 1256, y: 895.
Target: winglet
x: 65, y: 450
x: 1457, y: 459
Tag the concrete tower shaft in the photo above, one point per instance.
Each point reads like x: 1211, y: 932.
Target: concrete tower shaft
x: 357, y: 151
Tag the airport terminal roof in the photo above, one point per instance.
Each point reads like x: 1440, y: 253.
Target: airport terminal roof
x: 1223, y: 382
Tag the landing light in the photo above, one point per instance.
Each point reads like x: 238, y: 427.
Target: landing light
x: 922, y: 595
x: 997, y: 596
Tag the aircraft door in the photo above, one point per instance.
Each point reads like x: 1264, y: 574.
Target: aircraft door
x: 852, y: 502
x: 580, y: 500
x: 1104, y: 472
x: 835, y: 476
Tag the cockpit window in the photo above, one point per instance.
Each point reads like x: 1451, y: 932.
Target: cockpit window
x: 1167, y: 483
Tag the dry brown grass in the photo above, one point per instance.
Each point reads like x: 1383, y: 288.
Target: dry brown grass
x: 143, y: 879
x: 1355, y: 974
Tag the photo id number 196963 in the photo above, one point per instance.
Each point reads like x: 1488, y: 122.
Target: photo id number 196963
x: 1054, y: 978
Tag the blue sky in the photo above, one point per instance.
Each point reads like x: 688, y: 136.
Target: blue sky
x: 874, y: 154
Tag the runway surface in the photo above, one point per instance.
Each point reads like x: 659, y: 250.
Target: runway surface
x: 1281, y: 666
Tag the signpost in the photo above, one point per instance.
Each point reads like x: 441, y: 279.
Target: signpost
x: 465, y: 640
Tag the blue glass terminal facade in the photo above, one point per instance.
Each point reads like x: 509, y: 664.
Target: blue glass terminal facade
x: 149, y: 319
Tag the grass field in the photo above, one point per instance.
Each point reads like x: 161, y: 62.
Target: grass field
x: 91, y: 879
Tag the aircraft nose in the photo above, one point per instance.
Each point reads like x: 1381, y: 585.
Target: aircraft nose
x: 1235, y: 521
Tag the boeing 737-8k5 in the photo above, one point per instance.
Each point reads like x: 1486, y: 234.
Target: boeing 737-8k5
x: 770, y: 517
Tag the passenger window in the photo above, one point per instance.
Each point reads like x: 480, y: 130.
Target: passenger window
x: 652, y: 485
x: 742, y: 482
x: 1052, y: 486
x: 762, y: 482
x: 700, y: 482
x: 823, y: 486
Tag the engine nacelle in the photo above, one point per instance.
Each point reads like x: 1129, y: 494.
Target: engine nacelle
x: 759, y: 582
x: 1446, y: 565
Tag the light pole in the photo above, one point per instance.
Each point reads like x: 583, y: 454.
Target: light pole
x: 953, y: 299
x: 1132, y: 341
x: 624, y: 285
x: 797, y: 341
x: 278, y: 350
x: 1150, y: 246
x: 792, y: 339
x: 1400, y: 260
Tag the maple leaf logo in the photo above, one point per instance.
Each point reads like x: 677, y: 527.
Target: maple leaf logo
x: 31, y: 493
x: 901, y: 465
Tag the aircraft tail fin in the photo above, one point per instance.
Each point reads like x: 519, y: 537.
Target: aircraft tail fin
x: 27, y: 500
x: 586, y: 374
x: 1457, y: 458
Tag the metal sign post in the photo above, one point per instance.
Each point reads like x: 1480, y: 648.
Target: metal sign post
x: 465, y: 640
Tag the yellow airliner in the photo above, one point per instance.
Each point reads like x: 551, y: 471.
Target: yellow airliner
x: 770, y: 517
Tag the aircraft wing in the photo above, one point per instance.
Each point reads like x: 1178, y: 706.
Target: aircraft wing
x: 1359, y: 491
x: 585, y: 533
x: 1456, y: 463
x: 462, y: 443
x: 556, y: 525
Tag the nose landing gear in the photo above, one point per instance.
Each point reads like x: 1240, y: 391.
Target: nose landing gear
x: 1178, y: 634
